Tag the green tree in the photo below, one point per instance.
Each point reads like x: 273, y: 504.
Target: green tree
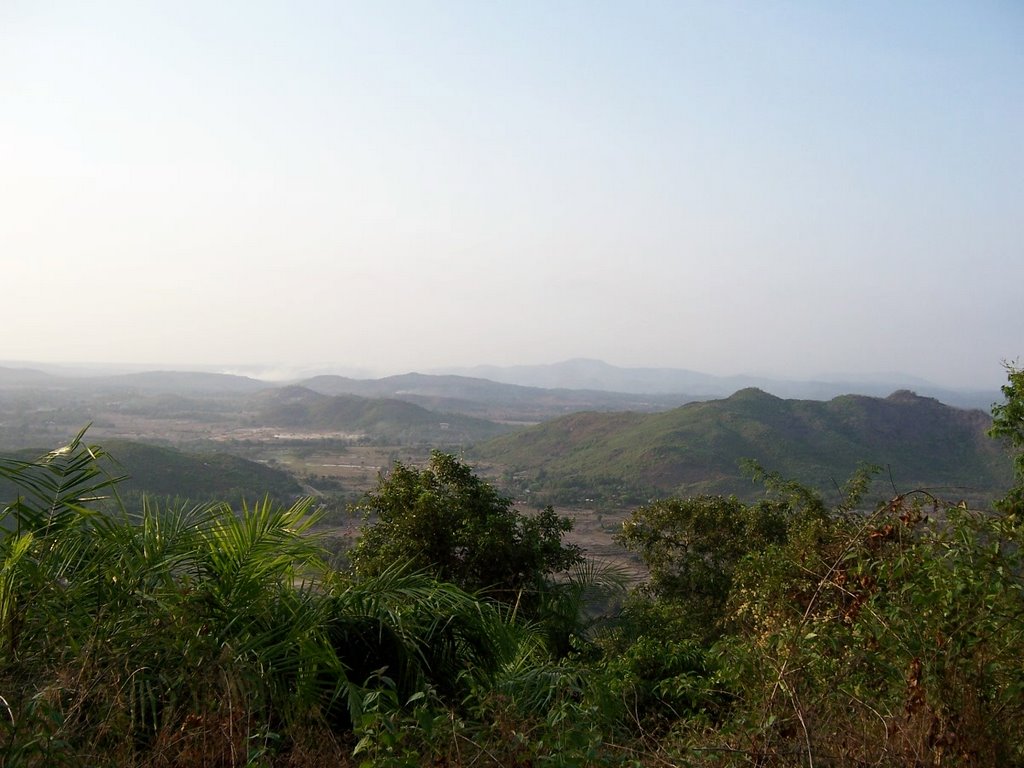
x: 890, y: 638
x: 659, y: 651
x: 692, y: 546
x: 1008, y: 424
x: 445, y: 520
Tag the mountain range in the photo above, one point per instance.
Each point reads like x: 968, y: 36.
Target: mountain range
x: 582, y: 373
x: 517, y: 394
x: 490, y: 399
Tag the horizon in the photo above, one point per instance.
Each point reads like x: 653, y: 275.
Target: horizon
x: 278, y: 374
x: 730, y: 188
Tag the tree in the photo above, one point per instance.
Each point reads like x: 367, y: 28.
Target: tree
x: 445, y: 520
x: 692, y: 546
x: 1008, y: 423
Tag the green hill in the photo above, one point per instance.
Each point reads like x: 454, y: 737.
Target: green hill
x: 160, y: 471
x: 698, y: 447
x: 298, y: 408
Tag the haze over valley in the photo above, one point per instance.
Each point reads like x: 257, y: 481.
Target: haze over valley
x: 565, y: 445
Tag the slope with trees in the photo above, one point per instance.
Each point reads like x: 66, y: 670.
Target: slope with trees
x: 160, y: 471
x: 387, y: 420
x: 698, y: 448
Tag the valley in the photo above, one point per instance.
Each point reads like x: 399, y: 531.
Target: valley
x: 568, y: 447
x: 593, y: 454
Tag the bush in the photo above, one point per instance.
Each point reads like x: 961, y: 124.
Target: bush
x: 888, y: 639
x: 448, y: 522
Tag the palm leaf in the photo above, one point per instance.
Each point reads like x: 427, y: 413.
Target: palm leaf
x: 56, y: 490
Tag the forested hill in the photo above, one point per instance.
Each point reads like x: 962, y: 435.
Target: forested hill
x: 699, y: 447
x: 167, y: 472
x: 394, y: 420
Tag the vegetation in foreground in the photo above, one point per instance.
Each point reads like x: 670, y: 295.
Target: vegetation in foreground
x: 778, y: 632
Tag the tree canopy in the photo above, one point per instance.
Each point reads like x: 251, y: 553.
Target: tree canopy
x: 1008, y: 424
x: 445, y: 520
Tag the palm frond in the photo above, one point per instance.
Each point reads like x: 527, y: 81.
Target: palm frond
x: 59, y: 488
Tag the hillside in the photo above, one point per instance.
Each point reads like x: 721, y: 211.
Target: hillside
x: 299, y: 408
x: 698, y: 447
x: 160, y: 471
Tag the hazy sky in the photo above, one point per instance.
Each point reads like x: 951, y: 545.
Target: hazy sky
x: 763, y: 187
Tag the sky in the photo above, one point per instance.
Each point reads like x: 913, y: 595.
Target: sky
x: 793, y: 189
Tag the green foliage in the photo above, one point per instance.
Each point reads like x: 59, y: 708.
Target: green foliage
x: 888, y: 639
x: 447, y: 521
x: 543, y: 712
x: 1008, y: 417
x: 121, y: 630
x: 572, y: 607
x: 692, y: 547
x: 206, y: 635
x: 1008, y: 424
x: 661, y: 680
x: 54, y: 492
x: 159, y: 632
x: 445, y: 634
x: 659, y: 650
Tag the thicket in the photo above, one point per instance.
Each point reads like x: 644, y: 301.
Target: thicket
x: 782, y: 632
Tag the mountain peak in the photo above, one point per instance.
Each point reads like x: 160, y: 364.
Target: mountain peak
x: 909, y: 396
x: 752, y: 393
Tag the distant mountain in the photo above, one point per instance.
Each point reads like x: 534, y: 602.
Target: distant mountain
x: 181, y: 382
x: 597, y: 375
x: 582, y: 373
x: 24, y: 377
x: 300, y: 408
x: 697, y: 448
x: 145, y: 382
x: 489, y: 399
x: 184, y: 406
